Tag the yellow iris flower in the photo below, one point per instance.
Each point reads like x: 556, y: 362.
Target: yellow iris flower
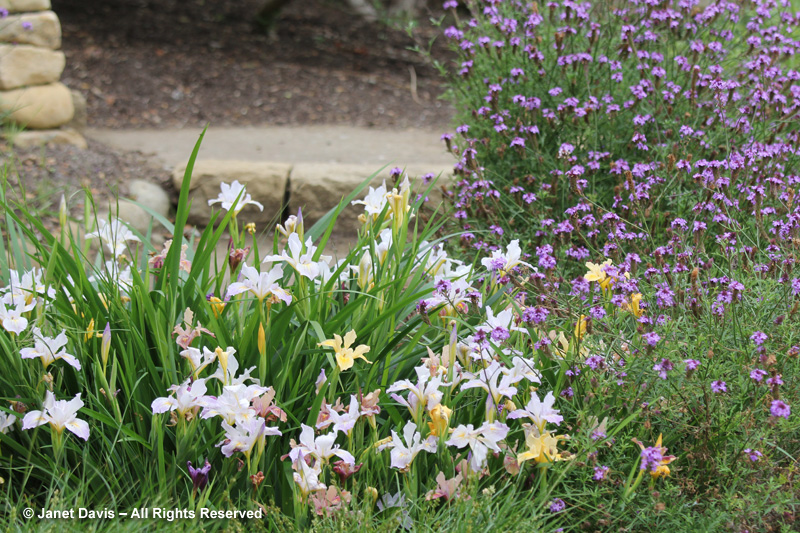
x: 440, y: 416
x: 596, y: 272
x: 217, y: 306
x: 90, y: 331
x: 580, y: 327
x: 345, y: 355
x: 542, y: 447
x: 633, y: 306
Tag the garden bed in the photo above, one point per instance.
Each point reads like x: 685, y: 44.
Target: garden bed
x: 597, y: 331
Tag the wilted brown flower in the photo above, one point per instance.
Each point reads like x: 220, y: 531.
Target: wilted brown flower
x: 345, y: 470
x: 257, y: 479
x: 236, y: 257
x: 369, y: 403
x: 264, y: 407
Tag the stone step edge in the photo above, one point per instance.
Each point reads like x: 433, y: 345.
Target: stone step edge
x: 415, y: 170
x: 316, y: 187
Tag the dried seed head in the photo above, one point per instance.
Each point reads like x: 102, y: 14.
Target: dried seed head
x: 629, y: 181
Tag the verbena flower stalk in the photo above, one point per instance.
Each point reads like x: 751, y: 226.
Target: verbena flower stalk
x: 595, y: 127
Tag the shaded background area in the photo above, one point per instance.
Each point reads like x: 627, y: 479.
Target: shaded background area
x: 144, y: 64
x: 175, y: 63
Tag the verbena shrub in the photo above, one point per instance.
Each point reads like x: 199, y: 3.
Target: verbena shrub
x: 644, y: 155
x: 591, y: 126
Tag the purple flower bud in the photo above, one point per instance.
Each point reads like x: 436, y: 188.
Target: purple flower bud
x: 199, y: 475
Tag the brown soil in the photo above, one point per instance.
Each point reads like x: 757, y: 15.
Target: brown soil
x: 37, y: 178
x: 173, y: 63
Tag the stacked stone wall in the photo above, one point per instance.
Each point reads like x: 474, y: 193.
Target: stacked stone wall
x: 31, y: 64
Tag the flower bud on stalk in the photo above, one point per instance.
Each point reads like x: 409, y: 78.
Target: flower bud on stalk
x: 62, y: 218
x: 398, y: 203
x: 222, y: 357
x: 89, y: 331
x: 371, y: 494
x: 105, y: 346
x: 236, y: 257
x: 300, y: 227
x: 199, y: 476
x: 262, y: 341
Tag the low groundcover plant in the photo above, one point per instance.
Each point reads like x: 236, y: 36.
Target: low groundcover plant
x: 641, y: 156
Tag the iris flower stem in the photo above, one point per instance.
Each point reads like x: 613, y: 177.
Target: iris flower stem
x: 58, y: 444
x: 631, y: 489
x: 88, y: 226
x: 334, y: 384
x: 110, y: 395
x: 180, y: 438
x: 303, y: 306
x: 234, y: 228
